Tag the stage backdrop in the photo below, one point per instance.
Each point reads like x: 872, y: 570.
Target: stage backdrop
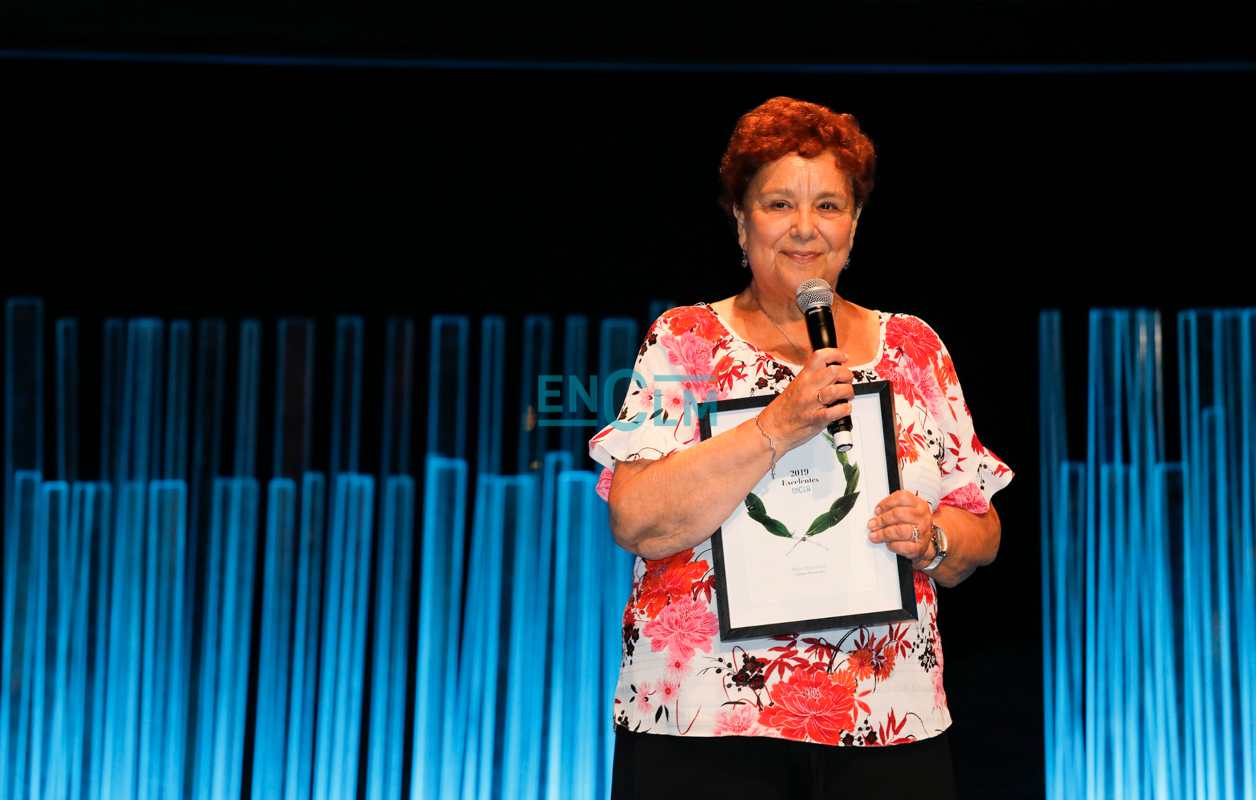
x: 198, y: 613
x: 1149, y: 558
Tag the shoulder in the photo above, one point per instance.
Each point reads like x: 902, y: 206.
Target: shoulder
x: 697, y: 319
x: 907, y: 335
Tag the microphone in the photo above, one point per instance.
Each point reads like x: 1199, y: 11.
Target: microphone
x: 815, y: 300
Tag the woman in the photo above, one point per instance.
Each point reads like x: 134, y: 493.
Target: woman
x: 787, y: 716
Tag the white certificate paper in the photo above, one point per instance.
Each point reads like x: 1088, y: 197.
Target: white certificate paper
x: 795, y: 555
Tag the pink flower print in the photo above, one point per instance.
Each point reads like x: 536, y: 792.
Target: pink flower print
x: 969, y: 498
x: 692, y: 355
x: 681, y: 627
x: 925, y: 381
x: 604, y: 484
x: 668, y: 691
x: 645, y: 698
x: 939, y: 692
x: 737, y: 720
x: 674, y: 402
x: 676, y: 667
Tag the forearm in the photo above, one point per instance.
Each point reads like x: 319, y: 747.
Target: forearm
x: 676, y: 502
x: 972, y: 541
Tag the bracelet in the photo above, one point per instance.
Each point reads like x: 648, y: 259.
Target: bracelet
x: 770, y: 444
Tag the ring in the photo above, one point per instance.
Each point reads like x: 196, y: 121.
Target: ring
x: 818, y: 400
x: 915, y: 533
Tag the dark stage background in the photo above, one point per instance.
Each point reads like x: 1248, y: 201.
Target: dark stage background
x: 193, y: 190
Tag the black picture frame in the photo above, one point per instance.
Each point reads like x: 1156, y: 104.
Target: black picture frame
x: 907, y: 594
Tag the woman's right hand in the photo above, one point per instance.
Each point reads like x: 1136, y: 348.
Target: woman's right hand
x: 798, y: 413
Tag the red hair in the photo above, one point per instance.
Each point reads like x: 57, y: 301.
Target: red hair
x: 784, y: 125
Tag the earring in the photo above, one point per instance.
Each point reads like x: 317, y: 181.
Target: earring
x: 745, y: 262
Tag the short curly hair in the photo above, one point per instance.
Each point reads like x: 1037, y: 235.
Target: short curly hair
x: 784, y: 125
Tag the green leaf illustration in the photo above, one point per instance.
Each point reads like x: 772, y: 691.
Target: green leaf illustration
x: 757, y: 512
x: 836, y: 513
x: 821, y: 524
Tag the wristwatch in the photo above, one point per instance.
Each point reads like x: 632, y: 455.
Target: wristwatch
x: 939, y: 544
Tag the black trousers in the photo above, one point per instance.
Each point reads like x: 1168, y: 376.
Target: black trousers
x: 651, y: 766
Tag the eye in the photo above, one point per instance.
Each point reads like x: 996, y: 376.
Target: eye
x: 779, y: 204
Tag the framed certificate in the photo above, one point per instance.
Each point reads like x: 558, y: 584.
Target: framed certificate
x: 795, y: 555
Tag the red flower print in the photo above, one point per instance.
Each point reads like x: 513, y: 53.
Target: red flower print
x: 924, y: 588
x: 871, y: 658
x: 666, y: 579
x: 946, y: 371
x: 812, y: 705
x: 728, y: 371
x: 969, y: 498
x: 909, y: 443
x: 683, y: 626
x: 694, y: 319
x: 917, y: 341
x: 604, y: 484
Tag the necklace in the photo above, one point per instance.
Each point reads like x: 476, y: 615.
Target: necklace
x: 774, y: 325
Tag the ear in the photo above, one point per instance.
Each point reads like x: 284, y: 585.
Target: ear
x: 740, y: 216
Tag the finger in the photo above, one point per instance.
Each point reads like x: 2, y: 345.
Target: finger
x: 896, y: 515
x: 830, y: 413
x: 910, y: 549
x: 900, y: 498
x: 832, y: 394
x: 899, y: 532
x: 824, y: 356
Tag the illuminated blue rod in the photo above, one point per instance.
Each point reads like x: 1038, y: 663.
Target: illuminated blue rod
x: 67, y: 405
x: 299, y: 741
x: 538, y: 335
x: 163, y: 694
x: 525, y: 782
x: 21, y: 571
x: 294, y: 398
x: 274, y: 661
x: 575, y: 440
x: 440, y: 620
x: 247, y: 392
x: 174, y: 461
x: 338, y: 727
x: 23, y: 388
x: 504, y: 65
x: 223, y: 691
x: 492, y: 393
x: 346, y: 419
x: 391, y: 635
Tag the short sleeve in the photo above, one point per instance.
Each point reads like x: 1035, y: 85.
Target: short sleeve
x: 971, y: 472
x: 651, y: 422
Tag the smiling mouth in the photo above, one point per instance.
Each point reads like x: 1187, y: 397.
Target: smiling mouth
x: 803, y: 256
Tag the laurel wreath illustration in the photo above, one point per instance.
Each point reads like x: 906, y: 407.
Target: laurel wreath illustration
x: 829, y: 519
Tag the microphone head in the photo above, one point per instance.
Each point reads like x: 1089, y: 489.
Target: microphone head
x: 814, y: 293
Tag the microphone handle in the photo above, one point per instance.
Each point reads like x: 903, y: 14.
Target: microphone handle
x: 821, y: 331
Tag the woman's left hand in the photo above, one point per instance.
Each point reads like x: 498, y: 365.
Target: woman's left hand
x: 893, y: 524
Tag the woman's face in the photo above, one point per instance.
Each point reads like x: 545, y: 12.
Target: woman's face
x: 798, y: 221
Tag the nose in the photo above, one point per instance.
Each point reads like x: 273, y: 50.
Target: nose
x: 804, y: 225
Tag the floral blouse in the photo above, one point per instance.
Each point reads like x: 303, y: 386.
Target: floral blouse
x: 872, y: 685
